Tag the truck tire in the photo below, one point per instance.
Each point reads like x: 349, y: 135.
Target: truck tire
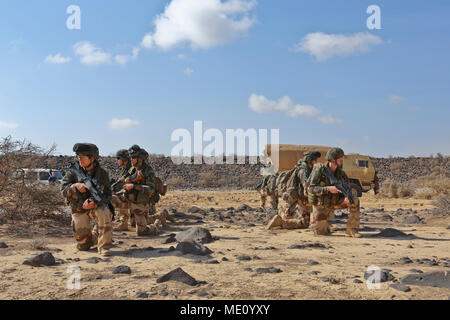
x: 356, y: 189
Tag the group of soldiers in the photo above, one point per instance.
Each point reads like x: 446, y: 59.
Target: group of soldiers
x: 310, y: 196
x: 133, y: 195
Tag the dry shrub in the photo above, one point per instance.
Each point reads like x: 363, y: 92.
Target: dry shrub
x: 38, y: 244
x: 443, y: 203
x: 207, y: 179
x: 175, y: 182
x: 396, y: 166
x: 432, y: 186
x: 21, y: 197
x: 393, y: 189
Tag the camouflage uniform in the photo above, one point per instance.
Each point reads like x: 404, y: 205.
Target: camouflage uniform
x: 138, y: 201
x: 324, y: 203
x: 123, y: 215
x: 81, y: 218
x: 295, y: 197
x: 268, y: 189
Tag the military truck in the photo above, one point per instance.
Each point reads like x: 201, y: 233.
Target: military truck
x: 359, y: 168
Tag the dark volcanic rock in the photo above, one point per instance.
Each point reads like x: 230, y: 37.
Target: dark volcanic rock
x: 43, y: 259
x: 3, y: 245
x: 178, y: 275
x: 310, y: 245
x: 392, y: 233
x: 93, y: 260
x: 312, y: 263
x: 194, y: 209
x: 167, y: 250
x: 142, y: 295
x: 440, y: 279
x: 212, y: 262
x: 378, y: 275
x: 197, y: 234
x: 122, y: 270
x: 268, y: 270
x: 400, y: 287
x: 405, y: 260
x: 411, y: 219
x: 244, y: 258
x: 193, y: 247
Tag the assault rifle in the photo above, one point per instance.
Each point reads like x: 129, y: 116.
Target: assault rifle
x: 344, y: 188
x: 94, y: 188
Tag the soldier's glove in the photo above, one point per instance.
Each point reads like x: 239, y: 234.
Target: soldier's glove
x: 89, y: 204
x: 80, y: 187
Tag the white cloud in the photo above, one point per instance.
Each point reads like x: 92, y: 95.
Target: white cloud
x: 57, y: 59
x: 394, y: 99
x: 8, y: 125
x: 90, y: 54
x: 123, y: 123
x: 188, y: 71
x: 180, y: 56
x: 325, y: 46
x: 200, y: 23
x: 260, y: 104
x: 329, y: 119
x: 125, y: 58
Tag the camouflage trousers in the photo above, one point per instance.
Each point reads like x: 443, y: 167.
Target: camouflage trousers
x: 320, y: 216
x: 85, y: 237
x: 140, y: 212
x: 288, y: 214
x: 273, y: 199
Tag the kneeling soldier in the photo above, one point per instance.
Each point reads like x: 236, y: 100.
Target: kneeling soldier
x: 87, y: 189
x: 325, y: 197
x: 138, y: 188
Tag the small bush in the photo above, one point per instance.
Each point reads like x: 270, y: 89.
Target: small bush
x: 207, y: 179
x: 396, y: 166
x: 175, y: 182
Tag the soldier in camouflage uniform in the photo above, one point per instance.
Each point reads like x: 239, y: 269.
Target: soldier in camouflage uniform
x: 268, y: 189
x: 124, y: 162
x: 326, y: 198
x: 138, y: 189
x: 84, y: 208
x: 296, y: 197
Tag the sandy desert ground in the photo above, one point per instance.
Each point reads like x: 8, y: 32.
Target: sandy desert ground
x: 309, y: 273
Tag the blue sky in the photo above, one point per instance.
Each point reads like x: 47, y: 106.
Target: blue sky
x: 377, y: 92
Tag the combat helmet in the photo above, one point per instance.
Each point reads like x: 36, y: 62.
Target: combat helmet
x: 89, y: 148
x: 311, y: 156
x: 136, y: 151
x: 123, y: 154
x: 334, y: 153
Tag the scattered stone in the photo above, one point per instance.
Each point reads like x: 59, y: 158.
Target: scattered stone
x: 149, y: 249
x: 268, y: 270
x: 357, y: 281
x: 244, y: 207
x: 392, y: 233
x: 410, y: 246
x: 400, y: 287
x: 312, y: 263
x: 248, y: 269
x: 179, y: 275
x: 325, y: 279
x: 383, y: 276
x: 202, y: 293
x: 405, y: 260
x: 163, y: 293
x: 170, y: 239
x: 43, y: 259
x: 167, y: 250
x: 76, y: 259
x: 133, y: 246
x: 244, y: 258
x: 142, y: 295
x: 416, y: 270
x: 194, y: 209
x: 197, y: 234
x: 3, y: 245
x: 413, y: 219
x: 193, y: 247
x: 310, y: 245
x: 122, y: 270
x: 212, y: 262
x: 225, y: 259
x: 93, y: 260
x: 314, y: 273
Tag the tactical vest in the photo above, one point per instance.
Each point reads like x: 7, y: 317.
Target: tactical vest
x: 306, y: 171
x: 327, y: 200
x: 143, y: 196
